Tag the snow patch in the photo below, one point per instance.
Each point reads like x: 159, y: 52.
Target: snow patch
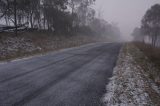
x: 12, y: 45
x: 127, y: 86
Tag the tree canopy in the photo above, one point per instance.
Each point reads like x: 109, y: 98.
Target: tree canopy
x: 151, y: 23
x: 59, y: 16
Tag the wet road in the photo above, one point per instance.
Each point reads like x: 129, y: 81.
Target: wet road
x: 70, y: 77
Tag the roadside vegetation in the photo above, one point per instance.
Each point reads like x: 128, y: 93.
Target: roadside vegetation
x: 33, y: 43
x: 149, y: 32
x: 147, y: 37
x: 135, y: 80
x: 152, y: 53
x: 38, y: 26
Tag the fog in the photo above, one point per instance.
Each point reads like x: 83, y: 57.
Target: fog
x: 126, y: 13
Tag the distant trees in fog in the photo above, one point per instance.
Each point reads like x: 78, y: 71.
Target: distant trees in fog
x: 138, y: 35
x: 59, y: 16
x: 103, y: 28
x: 55, y: 15
x: 150, y: 25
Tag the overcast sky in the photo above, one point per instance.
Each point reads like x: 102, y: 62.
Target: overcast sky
x: 126, y: 13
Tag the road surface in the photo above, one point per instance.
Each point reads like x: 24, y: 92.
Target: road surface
x: 71, y: 77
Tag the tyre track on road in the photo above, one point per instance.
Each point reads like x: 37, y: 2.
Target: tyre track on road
x: 38, y: 69
x: 52, y: 83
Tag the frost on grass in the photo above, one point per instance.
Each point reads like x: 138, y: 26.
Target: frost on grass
x: 32, y: 43
x: 130, y: 84
x: 12, y: 45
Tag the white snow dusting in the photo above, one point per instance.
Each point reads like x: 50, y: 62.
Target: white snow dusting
x: 127, y: 86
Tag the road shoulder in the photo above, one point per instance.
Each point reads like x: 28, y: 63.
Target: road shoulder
x: 132, y: 84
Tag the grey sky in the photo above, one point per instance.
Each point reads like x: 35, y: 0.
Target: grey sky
x: 127, y: 13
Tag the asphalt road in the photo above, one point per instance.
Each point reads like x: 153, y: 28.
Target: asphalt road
x: 71, y: 77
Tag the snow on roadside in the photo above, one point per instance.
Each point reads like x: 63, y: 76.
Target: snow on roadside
x: 31, y: 43
x: 12, y: 45
x: 128, y: 85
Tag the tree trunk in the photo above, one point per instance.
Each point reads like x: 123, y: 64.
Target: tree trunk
x: 44, y: 24
x: 31, y: 20
x: 6, y: 19
x: 154, y: 40
x: 15, y: 16
x: 39, y: 23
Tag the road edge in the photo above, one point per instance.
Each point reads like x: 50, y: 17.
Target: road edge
x: 131, y: 84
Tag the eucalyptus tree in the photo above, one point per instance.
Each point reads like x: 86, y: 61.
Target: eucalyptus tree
x: 84, y: 12
x: 54, y: 15
x: 151, y: 23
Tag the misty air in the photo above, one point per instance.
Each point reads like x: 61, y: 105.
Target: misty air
x: 79, y: 53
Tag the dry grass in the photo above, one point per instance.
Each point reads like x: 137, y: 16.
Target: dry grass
x: 152, y: 53
x: 149, y: 62
x: 39, y: 43
x: 131, y: 84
